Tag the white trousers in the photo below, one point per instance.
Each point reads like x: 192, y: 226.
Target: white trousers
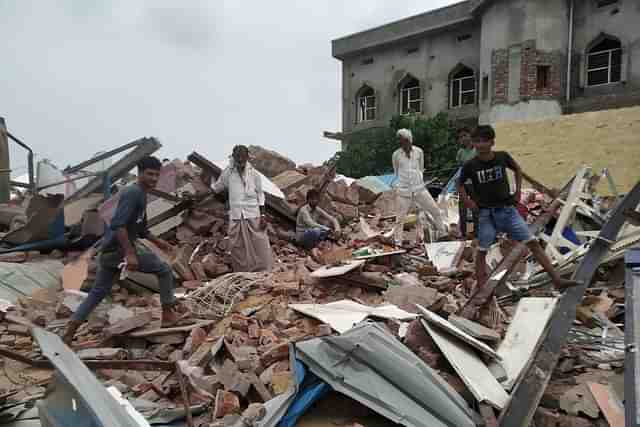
x: 425, y: 204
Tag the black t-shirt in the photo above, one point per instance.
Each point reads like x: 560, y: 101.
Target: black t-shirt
x: 489, y: 180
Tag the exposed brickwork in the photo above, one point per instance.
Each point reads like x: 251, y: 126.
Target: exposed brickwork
x: 500, y: 73
x: 531, y: 59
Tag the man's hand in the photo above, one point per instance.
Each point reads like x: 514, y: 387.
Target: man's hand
x: 263, y: 222
x: 470, y: 204
x: 132, y: 261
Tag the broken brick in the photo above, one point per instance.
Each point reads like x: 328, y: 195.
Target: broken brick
x: 195, y: 339
x: 240, y: 323
x: 275, y: 353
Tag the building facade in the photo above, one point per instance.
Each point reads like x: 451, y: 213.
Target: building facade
x: 488, y: 61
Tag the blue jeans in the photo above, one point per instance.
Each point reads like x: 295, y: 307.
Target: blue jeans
x: 108, y: 270
x: 501, y: 220
x: 310, y: 238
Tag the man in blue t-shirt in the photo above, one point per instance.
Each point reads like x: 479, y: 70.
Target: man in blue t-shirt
x: 129, y: 223
x: 491, y: 195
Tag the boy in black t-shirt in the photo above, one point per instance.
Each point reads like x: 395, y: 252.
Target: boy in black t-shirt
x: 492, y: 197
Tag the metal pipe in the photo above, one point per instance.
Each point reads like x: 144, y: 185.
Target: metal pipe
x: 569, y: 51
x: 103, y: 156
x: 32, y: 180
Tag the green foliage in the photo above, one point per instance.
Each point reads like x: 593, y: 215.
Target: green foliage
x: 368, y: 152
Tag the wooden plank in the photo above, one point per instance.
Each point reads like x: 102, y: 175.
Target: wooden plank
x: 609, y: 404
x: 331, y: 271
x: 523, y: 336
x: 169, y: 331
x: 470, y: 368
x: 527, y: 394
x: 442, y: 324
x: 75, y: 272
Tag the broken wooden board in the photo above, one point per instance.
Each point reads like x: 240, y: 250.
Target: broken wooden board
x: 75, y: 272
x: 523, y: 336
x: 443, y: 324
x: 343, y: 315
x: 170, y: 331
x: 469, y: 367
x: 381, y: 255
x: 445, y: 256
x: 609, y: 404
x: 335, y: 271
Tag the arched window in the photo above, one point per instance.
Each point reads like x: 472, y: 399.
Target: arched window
x: 604, y: 62
x: 410, y: 96
x: 366, y: 104
x: 462, y: 86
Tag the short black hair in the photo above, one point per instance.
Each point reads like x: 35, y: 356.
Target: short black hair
x: 313, y: 193
x: 485, y: 132
x: 463, y: 129
x: 240, y: 149
x: 149, y: 162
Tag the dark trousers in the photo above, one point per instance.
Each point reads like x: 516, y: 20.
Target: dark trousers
x: 108, y: 270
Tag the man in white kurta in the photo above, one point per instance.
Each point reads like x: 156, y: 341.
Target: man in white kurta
x: 250, y: 248
x: 408, y: 166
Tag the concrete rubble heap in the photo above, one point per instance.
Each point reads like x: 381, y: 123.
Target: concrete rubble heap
x: 234, y: 351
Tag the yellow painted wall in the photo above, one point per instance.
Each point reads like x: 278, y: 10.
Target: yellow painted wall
x: 552, y: 150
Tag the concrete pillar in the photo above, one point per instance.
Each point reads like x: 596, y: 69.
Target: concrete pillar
x: 5, y: 171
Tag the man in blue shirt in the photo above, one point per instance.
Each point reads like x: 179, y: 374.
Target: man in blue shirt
x: 129, y: 223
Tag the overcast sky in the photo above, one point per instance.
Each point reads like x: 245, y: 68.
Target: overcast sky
x: 81, y: 76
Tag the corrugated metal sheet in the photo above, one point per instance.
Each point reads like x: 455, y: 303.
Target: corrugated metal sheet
x: 372, y: 367
x: 21, y: 279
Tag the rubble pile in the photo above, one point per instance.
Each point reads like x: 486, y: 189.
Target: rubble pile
x: 235, y: 350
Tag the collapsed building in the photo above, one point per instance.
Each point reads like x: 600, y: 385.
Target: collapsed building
x: 405, y: 334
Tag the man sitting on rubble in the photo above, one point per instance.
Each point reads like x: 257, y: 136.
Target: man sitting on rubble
x: 119, y: 248
x: 496, y: 205
x: 408, y: 167
x: 250, y: 248
x: 309, y: 231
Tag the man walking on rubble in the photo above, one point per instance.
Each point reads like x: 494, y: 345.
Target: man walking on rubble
x: 465, y: 153
x: 309, y: 231
x: 119, y: 247
x: 250, y: 248
x: 408, y: 167
x: 496, y: 205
